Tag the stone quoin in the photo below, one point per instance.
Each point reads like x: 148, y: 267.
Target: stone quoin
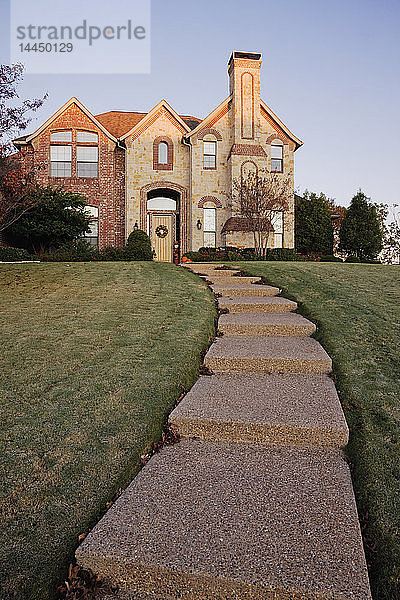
x: 146, y: 170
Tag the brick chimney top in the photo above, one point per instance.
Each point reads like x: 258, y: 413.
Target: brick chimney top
x: 245, y: 55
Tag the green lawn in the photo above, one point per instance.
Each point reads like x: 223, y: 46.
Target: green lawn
x: 93, y: 357
x: 357, y: 310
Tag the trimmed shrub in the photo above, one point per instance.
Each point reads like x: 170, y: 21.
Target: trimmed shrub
x: 76, y: 251
x: 352, y: 259
x: 112, y: 253
x: 11, y: 254
x: 330, y: 258
x: 365, y: 261
x: 139, y: 246
x: 236, y: 254
x: 283, y: 254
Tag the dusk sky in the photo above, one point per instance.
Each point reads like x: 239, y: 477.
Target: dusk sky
x: 331, y: 72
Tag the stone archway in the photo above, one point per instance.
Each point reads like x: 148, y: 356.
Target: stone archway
x: 183, y: 208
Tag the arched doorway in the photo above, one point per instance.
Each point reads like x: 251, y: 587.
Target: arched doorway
x: 163, y: 223
x: 166, y: 203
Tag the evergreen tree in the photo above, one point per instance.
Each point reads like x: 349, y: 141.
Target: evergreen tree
x: 361, y: 233
x: 313, y: 224
x: 58, y: 217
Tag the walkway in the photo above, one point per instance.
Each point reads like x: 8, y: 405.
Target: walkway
x: 256, y: 500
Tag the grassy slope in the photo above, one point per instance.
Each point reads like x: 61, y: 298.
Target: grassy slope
x: 93, y: 357
x: 357, y: 309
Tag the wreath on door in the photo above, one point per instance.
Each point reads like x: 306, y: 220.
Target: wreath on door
x: 162, y: 231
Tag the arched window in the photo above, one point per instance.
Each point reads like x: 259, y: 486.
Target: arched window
x: 162, y: 153
x: 161, y: 203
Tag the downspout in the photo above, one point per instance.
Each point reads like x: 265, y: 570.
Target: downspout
x: 188, y: 241
x: 122, y: 146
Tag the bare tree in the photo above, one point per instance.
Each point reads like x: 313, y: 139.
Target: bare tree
x: 391, y: 240
x: 16, y: 177
x: 257, y: 196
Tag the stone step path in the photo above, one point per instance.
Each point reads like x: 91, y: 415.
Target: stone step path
x: 268, y: 354
x: 233, y: 290
x: 253, y: 304
x: 218, y: 520
x: 272, y: 410
x: 256, y: 500
x: 265, y: 324
x: 223, y: 279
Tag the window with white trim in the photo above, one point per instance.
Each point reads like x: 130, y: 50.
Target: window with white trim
x: 92, y: 236
x: 60, y: 161
x: 277, y: 224
x: 277, y: 158
x: 162, y: 153
x: 87, y: 136
x: 87, y: 161
x: 209, y: 227
x: 61, y: 136
x: 209, y: 155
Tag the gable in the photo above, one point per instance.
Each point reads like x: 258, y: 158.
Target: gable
x: 208, y: 122
x: 72, y: 108
x: 162, y: 109
x: 280, y: 128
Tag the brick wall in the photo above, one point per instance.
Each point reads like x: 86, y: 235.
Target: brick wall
x: 105, y: 191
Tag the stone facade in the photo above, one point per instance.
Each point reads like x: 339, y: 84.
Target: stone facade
x: 163, y: 165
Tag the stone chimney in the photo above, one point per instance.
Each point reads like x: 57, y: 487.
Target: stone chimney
x: 244, y: 86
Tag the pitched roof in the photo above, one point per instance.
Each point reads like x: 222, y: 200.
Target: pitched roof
x: 281, y: 126
x: 214, y: 115
x: 120, y: 122
x: 27, y: 138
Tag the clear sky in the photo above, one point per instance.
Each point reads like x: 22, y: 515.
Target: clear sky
x: 331, y: 72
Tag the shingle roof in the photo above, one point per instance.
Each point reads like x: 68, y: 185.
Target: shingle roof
x: 118, y: 122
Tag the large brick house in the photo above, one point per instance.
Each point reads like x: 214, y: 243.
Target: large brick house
x: 169, y: 174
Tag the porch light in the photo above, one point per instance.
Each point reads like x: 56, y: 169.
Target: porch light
x: 199, y: 224
x: 136, y: 226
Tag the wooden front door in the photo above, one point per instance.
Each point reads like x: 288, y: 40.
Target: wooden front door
x: 162, y: 236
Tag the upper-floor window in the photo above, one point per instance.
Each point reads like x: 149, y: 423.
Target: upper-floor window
x: 61, y: 136
x: 277, y: 224
x: 210, y: 227
x: 87, y: 136
x: 277, y: 158
x: 85, y: 151
x: 209, y: 155
x: 162, y: 153
x: 60, y: 161
x: 87, y: 161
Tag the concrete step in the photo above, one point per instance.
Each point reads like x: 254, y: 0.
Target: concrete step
x: 256, y: 408
x: 268, y: 304
x: 251, y: 304
x: 218, y: 521
x: 236, y: 280
x: 288, y: 324
x: 234, y: 290
x: 206, y: 269
x: 268, y: 354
